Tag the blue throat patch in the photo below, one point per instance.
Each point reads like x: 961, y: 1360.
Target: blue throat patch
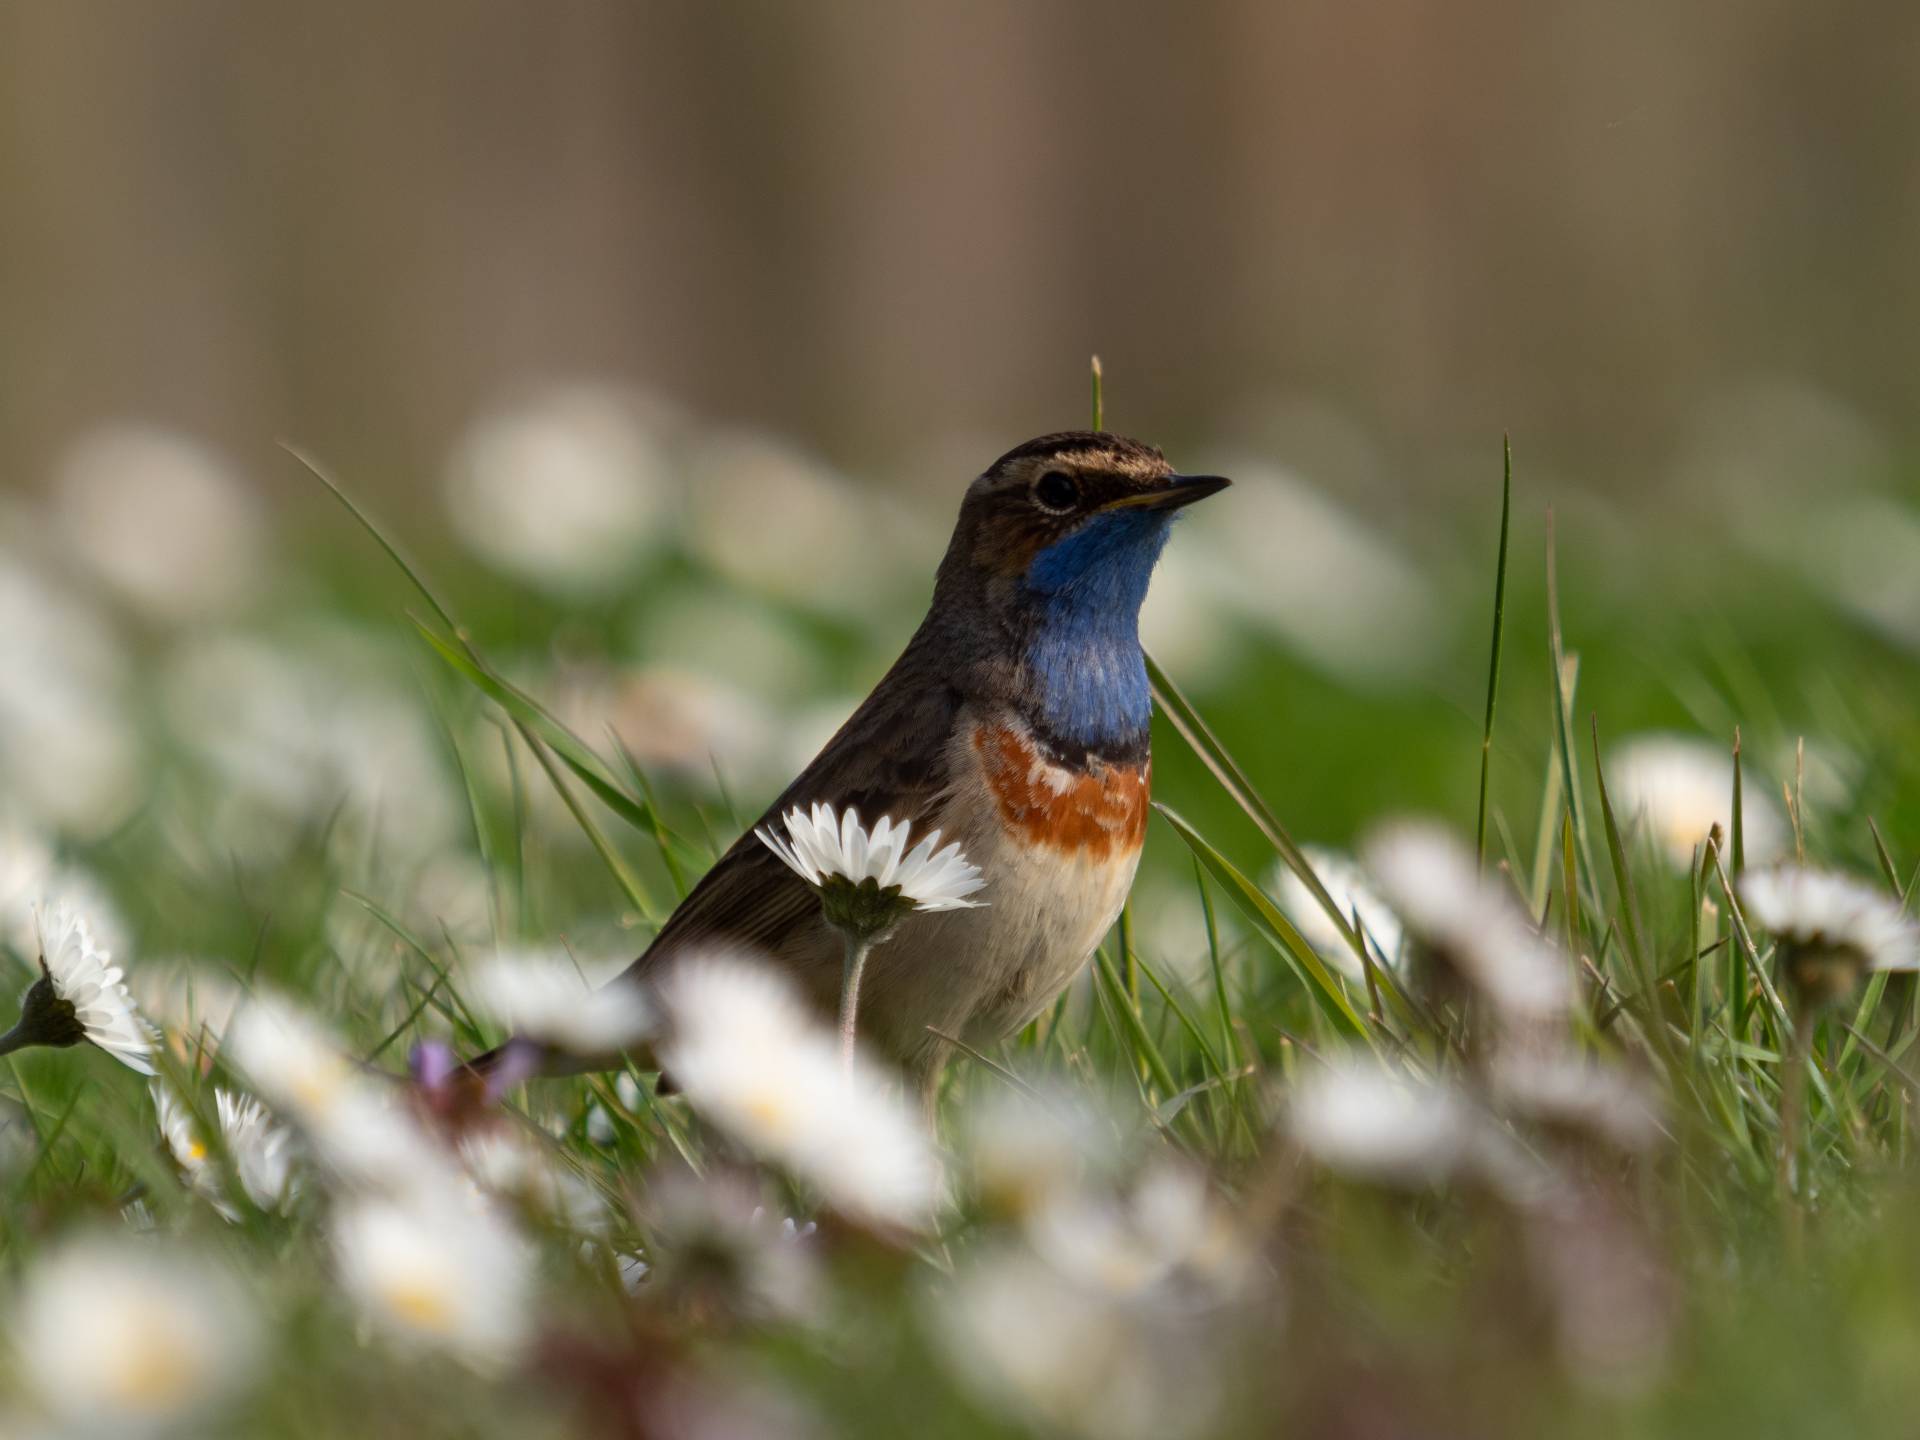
x: 1085, y: 652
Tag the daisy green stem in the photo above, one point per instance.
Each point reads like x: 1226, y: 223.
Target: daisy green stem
x: 1793, y: 1111
x: 858, y: 948
x: 15, y: 1039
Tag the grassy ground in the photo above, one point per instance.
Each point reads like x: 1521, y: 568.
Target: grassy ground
x: 1147, y: 1234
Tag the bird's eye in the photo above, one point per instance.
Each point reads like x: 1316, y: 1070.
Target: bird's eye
x: 1056, y: 491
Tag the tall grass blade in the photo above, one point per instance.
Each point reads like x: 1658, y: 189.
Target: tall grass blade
x: 1274, y: 927
x: 1493, y: 663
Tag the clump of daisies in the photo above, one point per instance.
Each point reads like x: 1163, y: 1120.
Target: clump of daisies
x: 80, y: 996
x: 1469, y: 931
x: 1831, y: 930
x: 118, y: 1336
x: 745, y: 1050
x: 869, y: 881
x: 261, y: 1150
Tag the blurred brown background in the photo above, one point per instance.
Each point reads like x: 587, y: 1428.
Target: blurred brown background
x: 886, y: 228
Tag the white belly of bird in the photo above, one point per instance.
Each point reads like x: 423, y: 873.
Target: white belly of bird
x: 987, y: 972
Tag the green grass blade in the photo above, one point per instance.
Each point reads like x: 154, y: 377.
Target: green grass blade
x: 1493, y: 663
x: 1191, y: 728
x: 1274, y: 927
x: 1562, y: 703
x: 535, y: 721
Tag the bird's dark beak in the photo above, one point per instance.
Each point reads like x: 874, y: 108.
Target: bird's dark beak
x: 1178, y: 490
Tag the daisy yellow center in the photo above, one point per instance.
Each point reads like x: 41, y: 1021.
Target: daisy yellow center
x: 772, y: 1112
x: 1125, y: 1268
x: 417, y: 1301
x: 196, y: 1152
x: 156, y: 1370
x: 317, y: 1087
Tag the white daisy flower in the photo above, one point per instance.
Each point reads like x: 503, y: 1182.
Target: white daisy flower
x: 357, y: 1126
x: 1678, y: 788
x: 1167, y: 1228
x: 1468, y: 920
x: 1352, y: 891
x: 1025, y: 1150
x: 1070, y: 1356
x: 80, y: 996
x: 440, y: 1271
x: 161, y: 520
x: 1820, y: 907
x: 542, y: 996
x: 749, y: 1057
x: 260, y: 1149
x: 1372, y: 1123
x: 821, y: 845
x: 567, y: 489
x: 117, y: 1336
x: 1831, y: 928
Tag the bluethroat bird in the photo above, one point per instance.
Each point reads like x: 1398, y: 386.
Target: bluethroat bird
x: 1015, y: 722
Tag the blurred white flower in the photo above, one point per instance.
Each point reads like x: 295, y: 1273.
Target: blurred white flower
x: 752, y: 1060
x: 26, y: 870
x: 1568, y: 1092
x: 160, y: 520
x: 1024, y: 1151
x: 1353, y: 892
x: 1824, y: 910
x: 1861, y: 550
x: 1364, y: 1120
x: 84, y: 977
x: 716, y: 1239
x: 543, y: 996
x: 438, y: 1271
x: 1678, y: 788
x: 1468, y: 920
x: 774, y: 521
x: 1187, y: 622
x: 1322, y: 580
x: 822, y: 844
x: 68, y: 887
x: 117, y: 1336
x: 1071, y: 1357
x: 260, y: 1150
x: 69, y: 757
x: 567, y: 489
x: 1166, y: 1227
x: 356, y: 1125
